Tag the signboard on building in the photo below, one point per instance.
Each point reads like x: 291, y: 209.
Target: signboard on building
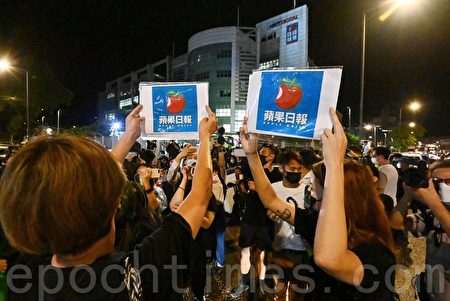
x: 284, y: 39
x: 173, y: 110
x: 292, y: 103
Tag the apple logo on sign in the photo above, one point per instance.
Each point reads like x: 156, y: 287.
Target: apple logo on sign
x: 289, y: 94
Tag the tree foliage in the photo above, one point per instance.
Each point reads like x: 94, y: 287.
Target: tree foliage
x: 405, y: 136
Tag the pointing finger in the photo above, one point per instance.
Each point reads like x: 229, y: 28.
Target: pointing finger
x: 136, y: 110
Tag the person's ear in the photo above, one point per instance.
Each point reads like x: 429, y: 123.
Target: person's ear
x: 280, y: 168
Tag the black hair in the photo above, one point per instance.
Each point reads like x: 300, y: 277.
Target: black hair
x: 285, y: 157
x: 383, y: 151
x: 309, y: 157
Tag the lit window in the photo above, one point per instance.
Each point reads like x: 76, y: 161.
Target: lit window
x: 223, y: 112
x: 239, y: 115
x: 125, y: 103
x: 227, y: 127
x: 110, y: 95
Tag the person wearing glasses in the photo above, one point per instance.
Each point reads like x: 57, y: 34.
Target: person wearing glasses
x: 435, y: 224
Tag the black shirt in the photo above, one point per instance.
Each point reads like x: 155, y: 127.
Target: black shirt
x: 373, y: 254
x: 160, y: 257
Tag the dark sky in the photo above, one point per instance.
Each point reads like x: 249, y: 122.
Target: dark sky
x: 90, y: 42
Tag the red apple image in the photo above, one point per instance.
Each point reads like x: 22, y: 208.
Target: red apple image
x: 289, y: 94
x: 175, y: 102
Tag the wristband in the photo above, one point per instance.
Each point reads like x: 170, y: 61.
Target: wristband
x: 149, y: 190
x: 179, y: 187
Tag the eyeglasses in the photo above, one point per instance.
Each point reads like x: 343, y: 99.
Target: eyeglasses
x: 438, y: 181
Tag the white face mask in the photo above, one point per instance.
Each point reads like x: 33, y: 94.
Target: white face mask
x: 444, y: 192
x: 374, y: 160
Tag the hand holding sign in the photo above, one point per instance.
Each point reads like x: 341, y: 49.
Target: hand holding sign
x: 334, y: 144
x: 249, y: 141
x: 133, y: 123
x: 208, y: 125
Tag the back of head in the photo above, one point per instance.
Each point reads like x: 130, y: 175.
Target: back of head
x: 59, y: 195
x: 384, y: 151
x: 309, y: 157
x: 364, y: 211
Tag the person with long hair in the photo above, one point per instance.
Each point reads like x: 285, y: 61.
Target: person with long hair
x: 352, y: 240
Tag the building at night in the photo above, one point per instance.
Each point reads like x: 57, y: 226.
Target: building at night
x: 224, y: 57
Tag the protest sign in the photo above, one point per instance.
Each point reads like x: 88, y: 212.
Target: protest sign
x: 292, y: 102
x: 173, y: 110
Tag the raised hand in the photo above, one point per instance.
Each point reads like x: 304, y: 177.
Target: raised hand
x: 145, y: 173
x: 334, y: 144
x: 208, y: 125
x: 249, y: 141
x: 133, y: 123
x: 187, y: 150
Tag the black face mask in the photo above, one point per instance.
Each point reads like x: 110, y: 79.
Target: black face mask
x: 293, y: 177
x: 263, y: 159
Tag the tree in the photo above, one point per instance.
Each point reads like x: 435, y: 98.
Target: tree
x: 405, y: 136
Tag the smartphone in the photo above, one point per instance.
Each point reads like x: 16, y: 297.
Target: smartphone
x: 154, y: 172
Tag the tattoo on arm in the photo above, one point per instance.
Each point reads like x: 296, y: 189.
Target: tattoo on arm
x: 285, y: 215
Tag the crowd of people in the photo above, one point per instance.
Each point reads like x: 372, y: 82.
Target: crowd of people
x: 79, y: 222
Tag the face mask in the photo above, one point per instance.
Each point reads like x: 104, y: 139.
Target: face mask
x: 399, y: 165
x: 374, y: 160
x: 263, y: 159
x: 444, y: 192
x: 293, y: 177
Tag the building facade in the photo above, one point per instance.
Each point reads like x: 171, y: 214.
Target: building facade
x: 224, y: 57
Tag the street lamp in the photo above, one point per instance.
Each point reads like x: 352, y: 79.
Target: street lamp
x: 395, y: 4
x: 412, y: 124
x: 413, y: 106
x: 57, y: 124
x: 5, y: 64
x: 349, y: 118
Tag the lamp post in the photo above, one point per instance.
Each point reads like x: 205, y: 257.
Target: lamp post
x: 349, y: 118
x: 395, y: 4
x: 57, y: 123
x: 6, y: 65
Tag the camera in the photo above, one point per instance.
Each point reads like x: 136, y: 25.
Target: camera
x: 416, y: 176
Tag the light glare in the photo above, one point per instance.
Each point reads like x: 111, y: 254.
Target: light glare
x: 4, y: 64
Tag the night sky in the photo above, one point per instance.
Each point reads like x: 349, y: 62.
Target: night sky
x: 90, y: 42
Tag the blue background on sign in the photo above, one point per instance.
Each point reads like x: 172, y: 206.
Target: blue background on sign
x: 311, y: 83
x: 159, y: 100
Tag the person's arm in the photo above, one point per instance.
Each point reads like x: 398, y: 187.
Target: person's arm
x: 148, y: 183
x: 208, y: 219
x: 430, y: 198
x: 194, y: 207
x: 178, y: 197
x: 132, y: 132
x: 331, y: 252
x: 269, y: 198
x: 404, y: 203
x: 172, y: 173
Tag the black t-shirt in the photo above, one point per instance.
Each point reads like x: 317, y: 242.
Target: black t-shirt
x: 373, y: 254
x: 160, y: 257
